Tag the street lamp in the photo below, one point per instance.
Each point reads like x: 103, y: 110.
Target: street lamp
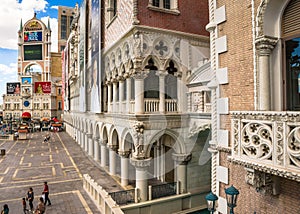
x: 211, y: 199
x: 231, y: 197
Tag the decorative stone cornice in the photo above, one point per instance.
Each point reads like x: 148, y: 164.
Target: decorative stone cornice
x: 266, y: 169
x: 224, y: 149
x: 284, y: 116
x: 182, y: 159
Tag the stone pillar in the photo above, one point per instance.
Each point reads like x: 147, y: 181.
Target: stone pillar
x: 161, y: 75
x: 82, y: 140
x: 112, y: 159
x: 121, y: 94
x: 90, y: 144
x: 103, y: 152
x: 86, y: 142
x: 124, y: 167
x: 141, y: 177
x: 181, y: 161
x: 264, y: 46
x: 109, y: 110
x: 96, y: 148
x: 128, y: 92
x: 115, y: 96
x: 180, y: 93
x: 139, y: 106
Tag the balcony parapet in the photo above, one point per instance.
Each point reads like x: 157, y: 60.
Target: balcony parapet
x: 267, y: 141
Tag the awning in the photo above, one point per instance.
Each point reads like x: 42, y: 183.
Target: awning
x: 26, y: 115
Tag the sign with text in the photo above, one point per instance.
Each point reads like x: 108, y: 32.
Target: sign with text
x: 42, y: 87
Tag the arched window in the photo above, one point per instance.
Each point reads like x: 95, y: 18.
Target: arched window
x: 171, y: 82
x: 151, y: 83
x: 291, y: 37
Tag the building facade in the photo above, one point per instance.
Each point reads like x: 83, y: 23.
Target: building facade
x: 37, y: 94
x: 65, y: 18
x: 136, y: 95
x: 255, y: 98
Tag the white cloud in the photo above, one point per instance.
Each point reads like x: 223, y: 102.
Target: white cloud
x: 10, y: 18
x: 54, y: 7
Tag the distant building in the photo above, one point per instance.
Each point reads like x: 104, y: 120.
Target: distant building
x: 65, y: 18
x: 37, y: 93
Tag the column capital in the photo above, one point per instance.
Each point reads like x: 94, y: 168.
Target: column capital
x: 140, y: 163
x: 89, y: 135
x: 182, y: 159
x: 124, y: 154
x: 96, y: 138
x: 112, y: 147
x: 161, y: 73
x: 265, y: 44
x: 140, y: 75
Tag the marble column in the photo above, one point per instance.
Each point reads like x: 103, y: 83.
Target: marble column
x: 115, y: 96
x: 161, y: 75
x: 103, y: 144
x: 180, y: 92
x: 124, y: 167
x: 96, y: 148
x: 264, y: 46
x: 128, y: 94
x: 90, y: 144
x: 121, y: 94
x: 181, y: 161
x: 112, y: 159
x: 109, y: 110
x: 139, y: 107
x: 141, y: 182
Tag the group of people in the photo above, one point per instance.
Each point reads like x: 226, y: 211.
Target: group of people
x: 40, y: 208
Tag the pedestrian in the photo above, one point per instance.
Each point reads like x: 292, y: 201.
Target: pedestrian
x: 30, y: 197
x: 40, y: 209
x: 24, y: 205
x: 46, y: 193
x: 5, y: 209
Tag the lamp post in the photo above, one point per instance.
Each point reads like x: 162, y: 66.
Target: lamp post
x: 231, y: 197
x: 211, y: 199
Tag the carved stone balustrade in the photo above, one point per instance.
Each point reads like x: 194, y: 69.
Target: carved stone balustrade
x: 267, y: 142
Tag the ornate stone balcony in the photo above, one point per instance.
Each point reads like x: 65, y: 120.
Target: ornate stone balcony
x: 267, y: 141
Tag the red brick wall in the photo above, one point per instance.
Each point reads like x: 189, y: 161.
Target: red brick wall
x: 192, y: 19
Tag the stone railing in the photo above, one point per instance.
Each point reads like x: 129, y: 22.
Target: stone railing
x: 171, y: 105
x: 100, y: 197
x: 267, y: 141
x: 151, y: 105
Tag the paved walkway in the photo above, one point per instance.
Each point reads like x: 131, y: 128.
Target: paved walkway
x: 62, y: 162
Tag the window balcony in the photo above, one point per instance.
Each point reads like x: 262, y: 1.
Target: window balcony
x: 267, y: 142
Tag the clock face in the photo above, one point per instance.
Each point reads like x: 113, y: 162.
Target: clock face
x: 26, y: 103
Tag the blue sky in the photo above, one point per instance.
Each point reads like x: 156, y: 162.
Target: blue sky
x: 11, y: 13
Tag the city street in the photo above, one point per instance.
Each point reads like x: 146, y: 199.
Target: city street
x: 61, y: 162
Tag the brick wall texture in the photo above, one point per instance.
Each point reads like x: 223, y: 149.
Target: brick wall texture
x: 240, y: 91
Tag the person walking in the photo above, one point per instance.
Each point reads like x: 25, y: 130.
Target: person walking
x: 5, y: 209
x: 30, y: 197
x: 46, y: 193
x: 24, y: 204
x: 40, y: 209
